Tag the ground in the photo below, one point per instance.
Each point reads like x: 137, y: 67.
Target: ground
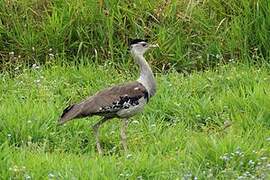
x: 203, y: 125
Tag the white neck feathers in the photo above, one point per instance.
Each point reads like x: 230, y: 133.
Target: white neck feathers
x: 146, y: 75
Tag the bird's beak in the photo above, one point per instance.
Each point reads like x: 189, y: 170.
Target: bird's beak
x: 153, y: 45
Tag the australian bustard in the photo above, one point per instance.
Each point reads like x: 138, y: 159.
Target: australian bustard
x: 122, y: 101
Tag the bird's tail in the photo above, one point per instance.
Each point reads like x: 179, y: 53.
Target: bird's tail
x: 69, y: 113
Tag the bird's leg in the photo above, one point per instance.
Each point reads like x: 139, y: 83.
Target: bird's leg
x: 96, y: 133
x: 123, y: 133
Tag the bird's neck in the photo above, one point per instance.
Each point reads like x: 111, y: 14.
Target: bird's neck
x: 146, y: 75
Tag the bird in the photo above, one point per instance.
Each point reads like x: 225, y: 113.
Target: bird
x: 121, y: 101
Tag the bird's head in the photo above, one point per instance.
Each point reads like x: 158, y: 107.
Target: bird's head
x: 139, y: 46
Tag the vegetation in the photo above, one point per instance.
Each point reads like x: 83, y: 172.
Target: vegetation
x: 206, y: 124
x: 192, y: 34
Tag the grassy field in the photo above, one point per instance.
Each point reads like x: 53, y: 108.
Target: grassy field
x: 205, y: 125
x: 209, y: 120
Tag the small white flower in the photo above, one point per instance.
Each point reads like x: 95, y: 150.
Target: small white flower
x: 187, y: 176
x: 51, y: 175
x: 238, y: 152
x: 51, y: 55
x: 251, y: 162
x: 225, y: 157
x: 35, y: 66
x: 113, y: 149
x: 129, y: 156
x: 9, y: 135
x: 240, y: 177
x: 135, y: 122
x: 27, y: 176
x: 37, y: 81
x: 198, y: 116
x: 11, y: 53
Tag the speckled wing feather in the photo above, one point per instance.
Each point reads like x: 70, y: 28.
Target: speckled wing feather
x: 107, y: 102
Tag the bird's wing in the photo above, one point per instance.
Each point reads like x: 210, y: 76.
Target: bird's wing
x: 107, y: 102
x: 113, y: 99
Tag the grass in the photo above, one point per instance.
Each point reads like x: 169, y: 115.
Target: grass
x: 192, y: 34
x: 205, y: 125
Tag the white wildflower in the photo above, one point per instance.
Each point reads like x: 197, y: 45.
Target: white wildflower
x: 51, y: 175
x: 35, y: 66
x: 51, y: 55
x: 37, y: 81
x: 27, y: 176
x: 251, y: 162
x: 129, y: 156
x: 135, y: 122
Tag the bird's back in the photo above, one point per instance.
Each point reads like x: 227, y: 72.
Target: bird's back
x: 118, y: 101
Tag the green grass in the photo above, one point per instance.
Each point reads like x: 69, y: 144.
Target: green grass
x: 211, y: 124
x: 192, y: 34
x: 206, y: 125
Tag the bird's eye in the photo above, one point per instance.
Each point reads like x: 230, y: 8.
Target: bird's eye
x: 144, y: 44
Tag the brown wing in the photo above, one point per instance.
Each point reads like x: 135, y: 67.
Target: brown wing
x: 112, y: 99
x: 106, y: 102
